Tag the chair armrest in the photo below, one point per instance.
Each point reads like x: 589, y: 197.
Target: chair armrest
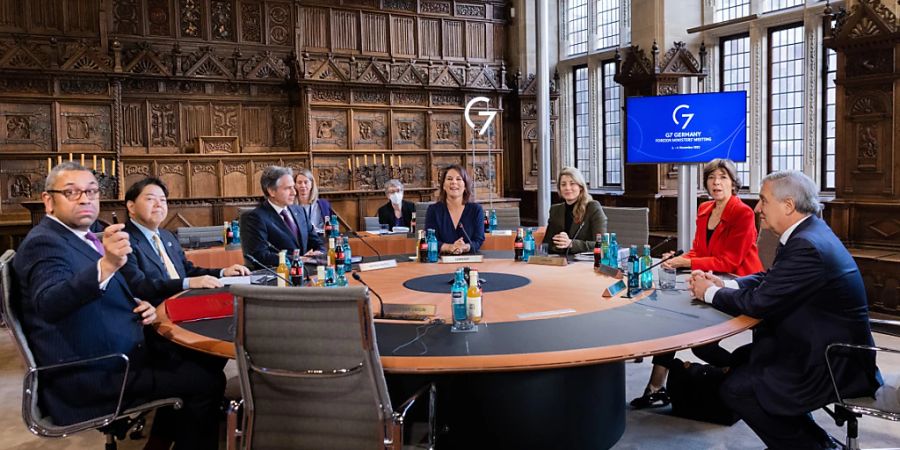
x: 93, y: 423
x: 852, y: 347
x: 400, y: 414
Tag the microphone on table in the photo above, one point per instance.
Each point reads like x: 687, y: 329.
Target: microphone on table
x: 352, y: 233
x: 667, y: 239
x: 267, y: 269
x: 573, y: 237
x: 673, y: 255
x: 380, y: 301
x: 381, y: 314
x: 638, y: 274
x: 115, y: 218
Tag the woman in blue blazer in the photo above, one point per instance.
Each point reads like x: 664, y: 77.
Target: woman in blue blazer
x: 457, y: 221
x: 313, y: 207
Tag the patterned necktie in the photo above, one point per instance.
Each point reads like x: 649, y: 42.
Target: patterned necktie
x: 97, y: 244
x: 173, y: 274
x: 289, y: 222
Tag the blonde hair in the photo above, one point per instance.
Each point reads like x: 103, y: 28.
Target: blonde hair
x: 583, y: 197
x: 313, y: 186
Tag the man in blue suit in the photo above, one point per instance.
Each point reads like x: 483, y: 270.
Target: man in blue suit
x: 812, y: 296
x: 277, y: 223
x: 76, y: 305
x: 157, y: 267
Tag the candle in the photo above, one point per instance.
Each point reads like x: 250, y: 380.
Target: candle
x: 59, y: 159
x: 103, y: 166
x: 82, y: 160
x: 349, y: 166
x: 374, y: 160
x: 112, y: 166
x: 392, y: 160
x: 356, y: 159
x: 400, y: 160
x: 94, y: 158
x: 70, y: 156
x: 366, y: 159
x: 49, y: 165
x: 382, y: 159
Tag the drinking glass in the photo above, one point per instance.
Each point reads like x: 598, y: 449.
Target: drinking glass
x: 667, y: 277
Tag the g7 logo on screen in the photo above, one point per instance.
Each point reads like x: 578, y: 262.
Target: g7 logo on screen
x: 686, y: 115
x: 489, y: 114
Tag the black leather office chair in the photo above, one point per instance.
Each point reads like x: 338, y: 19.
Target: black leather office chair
x: 311, y: 375
x: 884, y: 405
x: 115, y: 425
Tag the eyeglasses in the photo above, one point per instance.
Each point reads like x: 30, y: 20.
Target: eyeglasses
x: 75, y: 194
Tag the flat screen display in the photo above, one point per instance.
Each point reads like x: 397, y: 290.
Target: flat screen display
x: 691, y: 128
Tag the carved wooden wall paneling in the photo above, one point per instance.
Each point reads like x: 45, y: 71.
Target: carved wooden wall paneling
x: 867, y: 204
x: 319, y: 85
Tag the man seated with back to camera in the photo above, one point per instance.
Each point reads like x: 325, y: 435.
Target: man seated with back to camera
x: 277, y: 223
x: 76, y: 305
x: 812, y: 296
x: 157, y: 267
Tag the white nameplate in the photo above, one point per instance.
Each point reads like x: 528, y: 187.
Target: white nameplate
x: 556, y: 312
x: 502, y: 233
x: 376, y: 265
x: 449, y: 259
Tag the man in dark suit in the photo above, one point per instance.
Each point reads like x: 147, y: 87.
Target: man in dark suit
x: 277, y: 222
x: 812, y: 296
x: 387, y: 214
x: 157, y: 267
x: 76, y: 305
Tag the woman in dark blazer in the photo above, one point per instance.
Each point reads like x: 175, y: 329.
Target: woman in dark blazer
x: 458, y: 221
x: 574, y: 223
x: 313, y: 207
x: 725, y: 241
x: 396, y: 212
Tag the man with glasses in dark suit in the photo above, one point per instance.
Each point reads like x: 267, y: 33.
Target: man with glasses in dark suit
x: 76, y: 305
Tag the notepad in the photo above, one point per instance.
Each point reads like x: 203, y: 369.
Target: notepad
x: 212, y: 306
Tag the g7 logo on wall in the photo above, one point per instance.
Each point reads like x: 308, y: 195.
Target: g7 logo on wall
x: 489, y: 114
x: 687, y: 116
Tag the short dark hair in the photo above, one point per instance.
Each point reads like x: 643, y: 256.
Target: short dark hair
x: 270, y: 177
x: 135, y: 190
x: 728, y: 167
x: 467, y: 194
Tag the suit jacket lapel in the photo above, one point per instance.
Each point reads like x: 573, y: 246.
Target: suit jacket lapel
x: 276, y: 218
x: 145, y: 246
x: 78, y: 244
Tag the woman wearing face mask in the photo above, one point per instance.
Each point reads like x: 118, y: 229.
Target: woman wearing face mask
x: 396, y: 212
x: 314, y: 207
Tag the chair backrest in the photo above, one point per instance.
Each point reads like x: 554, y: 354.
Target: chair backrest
x: 372, y: 223
x: 36, y: 421
x: 631, y: 225
x: 421, y: 211
x: 190, y: 237
x: 508, y: 218
x: 310, y: 372
x: 766, y: 243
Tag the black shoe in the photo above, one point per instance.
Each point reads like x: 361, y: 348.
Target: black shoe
x: 651, y: 399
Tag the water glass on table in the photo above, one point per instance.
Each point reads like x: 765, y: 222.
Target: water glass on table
x: 667, y: 277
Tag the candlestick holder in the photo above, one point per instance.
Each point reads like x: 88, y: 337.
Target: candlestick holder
x: 109, y: 185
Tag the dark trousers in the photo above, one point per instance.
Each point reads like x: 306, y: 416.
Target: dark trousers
x: 709, y: 353
x: 777, y: 432
x: 172, y: 371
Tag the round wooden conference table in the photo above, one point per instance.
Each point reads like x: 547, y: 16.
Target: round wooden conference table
x: 545, y: 369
